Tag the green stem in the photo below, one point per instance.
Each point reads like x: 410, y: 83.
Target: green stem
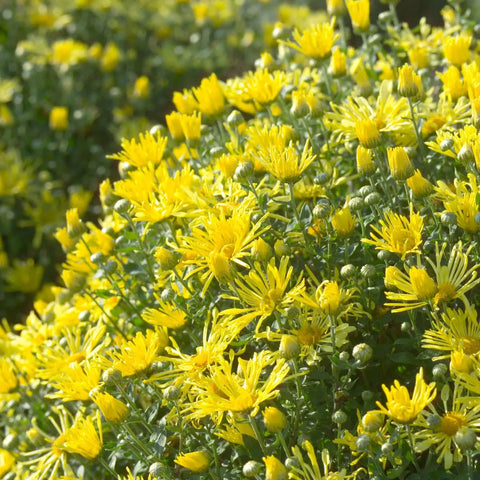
x: 258, y: 434
x: 421, y: 145
x: 284, y: 444
x: 412, y: 447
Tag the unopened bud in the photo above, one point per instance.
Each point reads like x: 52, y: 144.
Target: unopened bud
x: 252, y: 468
x: 362, y: 352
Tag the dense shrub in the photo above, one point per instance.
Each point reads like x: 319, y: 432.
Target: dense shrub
x: 283, y: 282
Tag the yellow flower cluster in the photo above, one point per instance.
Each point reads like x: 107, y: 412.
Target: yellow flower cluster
x: 294, y: 241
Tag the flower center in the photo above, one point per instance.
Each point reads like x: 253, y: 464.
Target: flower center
x: 309, y: 335
x: 243, y: 402
x: 451, y: 423
x: 446, y: 292
x: 470, y: 345
x: 403, y: 240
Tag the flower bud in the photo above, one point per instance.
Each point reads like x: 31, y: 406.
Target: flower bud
x: 362, y: 442
x: 275, y: 470
x: 439, y: 370
x: 387, y: 448
x: 261, y: 251
x: 368, y: 271
x: 348, y: 271
x: 289, y: 346
x: 446, y: 144
x: 448, y: 218
x: 122, y: 206
x: 243, y: 171
x: 355, y: 203
x: 275, y: 421
x: 365, y: 163
x: 156, y: 469
x: 465, y: 438
x: 321, y: 209
x: 166, y: 258
x: 235, y: 118
x: 281, y: 248
x: 407, y: 81
x: 400, y: 166
x: 373, y: 198
x: 434, y: 422
x: 362, y: 352
x: 339, y: 417
x: 252, y: 468
x: 465, y: 154
x: 372, y: 421
x: 172, y: 393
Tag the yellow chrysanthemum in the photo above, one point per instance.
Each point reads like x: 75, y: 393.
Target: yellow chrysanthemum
x: 402, y: 408
x: 315, y: 42
x: 398, y: 233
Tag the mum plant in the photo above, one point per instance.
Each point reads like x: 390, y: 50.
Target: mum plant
x: 284, y: 280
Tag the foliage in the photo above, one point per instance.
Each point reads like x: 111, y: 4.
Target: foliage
x: 283, y: 282
x: 77, y: 76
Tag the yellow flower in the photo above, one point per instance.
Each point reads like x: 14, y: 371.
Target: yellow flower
x: 231, y: 388
x: 398, y: 233
x: 359, y: 11
x: 166, y: 315
x: 110, y: 58
x: 185, y: 102
x: 457, y: 49
x: 275, y: 420
x: 367, y: 133
x: 263, y: 87
x: 191, y: 125
x: 139, y: 353
x: 338, y: 63
x: 409, y: 82
x: 8, y: 379
x: 209, y: 96
x: 418, y: 56
x: 462, y: 201
x: 441, y: 435
x: 141, y: 88
x: 68, y: 52
x: 400, y: 166
x: 112, y: 409
x: 194, y: 461
x: 455, y: 330
x: 59, y: 118
x: 148, y: 149
x: 343, y: 222
x: 264, y: 292
x: 317, y: 41
x: 400, y: 407
x: 453, y: 83
x: 275, y: 470
x: 365, y: 163
x: 218, y: 242
x: 6, y: 461
x: 419, y: 185
x: 82, y: 437
x: 285, y: 164
x: 460, y: 362
x: 336, y: 7
x: 329, y: 297
x: 174, y: 125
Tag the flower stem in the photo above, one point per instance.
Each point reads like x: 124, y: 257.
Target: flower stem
x: 412, y: 447
x: 258, y: 434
